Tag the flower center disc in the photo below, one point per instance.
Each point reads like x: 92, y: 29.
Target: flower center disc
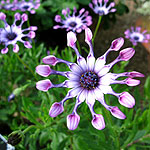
x: 136, y: 38
x: 73, y: 24
x: 11, y: 36
x: 89, y: 80
x: 25, y: 7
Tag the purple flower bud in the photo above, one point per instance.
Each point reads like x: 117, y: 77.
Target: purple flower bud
x: 71, y: 39
x: 24, y: 17
x: 27, y: 44
x: 4, y: 50
x: 88, y: 35
x: 50, y: 60
x: 17, y: 16
x: 132, y: 82
x: 117, y: 113
x: 117, y: 44
x: 64, y: 12
x: 135, y: 74
x: 98, y: 122
x: 126, y: 100
x: 73, y: 121
x: 2, y: 16
x: 44, y: 85
x: 43, y: 70
x: 16, y: 48
x: 126, y: 54
x: 33, y: 28
x: 56, y: 109
x: 58, y: 18
x: 31, y: 34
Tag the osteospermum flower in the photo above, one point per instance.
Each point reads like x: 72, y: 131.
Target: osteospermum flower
x: 89, y: 79
x: 136, y: 35
x: 30, y: 5
x: 10, y: 35
x: 22, y: 5
x: 101, y: 7
x: 73, y: 23
x: 6, y: 4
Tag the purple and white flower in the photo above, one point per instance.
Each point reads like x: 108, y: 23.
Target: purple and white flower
x: 30, y: 5
x: 135, y: 35
x: 75, y: 23
x: 101, y: 7
x: 22, y: 5
x: 10, y: 35
x: 89, y: 79
x: 7, y: 5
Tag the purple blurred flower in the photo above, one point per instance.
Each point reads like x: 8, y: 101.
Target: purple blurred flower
x: 6, y: 4
x: 89, y: 79
x: 135, y: 35
x: 101, y: 8
x: 10, y: 35
x: 22, y: 5
x: 73, y: 23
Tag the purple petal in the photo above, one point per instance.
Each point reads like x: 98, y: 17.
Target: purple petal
x: 56, y: 109
x: 73, y: 121
x: 117, y: 44
x: 17, y: 16
x: 126, y: 100
x: 132, y: 82
x: 27, y: 44
x: 58, y: 18
x: 44, y: 85
x: 135, y: 74
x: 2, y: 16
x: 98, y: 122
x: 126, y: 54
x: 4, y: 50
x: 88, y: 35
x: 117, y: 113
x: 24, y: 17
x: 71, y: 39
x: 50, y: 60
x: 33, y: 28
x: 31, y: 34
x: 43, y: 70
x: 15, y: 48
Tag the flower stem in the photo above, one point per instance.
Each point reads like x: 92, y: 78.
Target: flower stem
x: 78, y: 46
x: 133, y: 46
x: 96, y: 29
x: 113, y: 130
x: 26, y: 66
x: 28, y: 128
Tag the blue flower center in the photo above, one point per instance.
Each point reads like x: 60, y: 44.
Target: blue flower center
x: 136, y: 38
x: 101, y: 12
x: 11, y: 36
x: 72, y: 24
x: 25, y: 7
x: 89, y: 80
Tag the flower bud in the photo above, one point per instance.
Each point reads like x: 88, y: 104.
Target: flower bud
x: 56, y: 109
x: 117, y: 113
x: 117, y: 44
x: 43, y: 70
x: 88, y: 35
x: 73, y: 121
x: 15, y: 137
x: 126, y: 54
x: 50, y: 60
x: 126, y: 100
x: 44, y: 85
x: 98, y: 122
x: 132, y: 82
x: 71, y: 39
